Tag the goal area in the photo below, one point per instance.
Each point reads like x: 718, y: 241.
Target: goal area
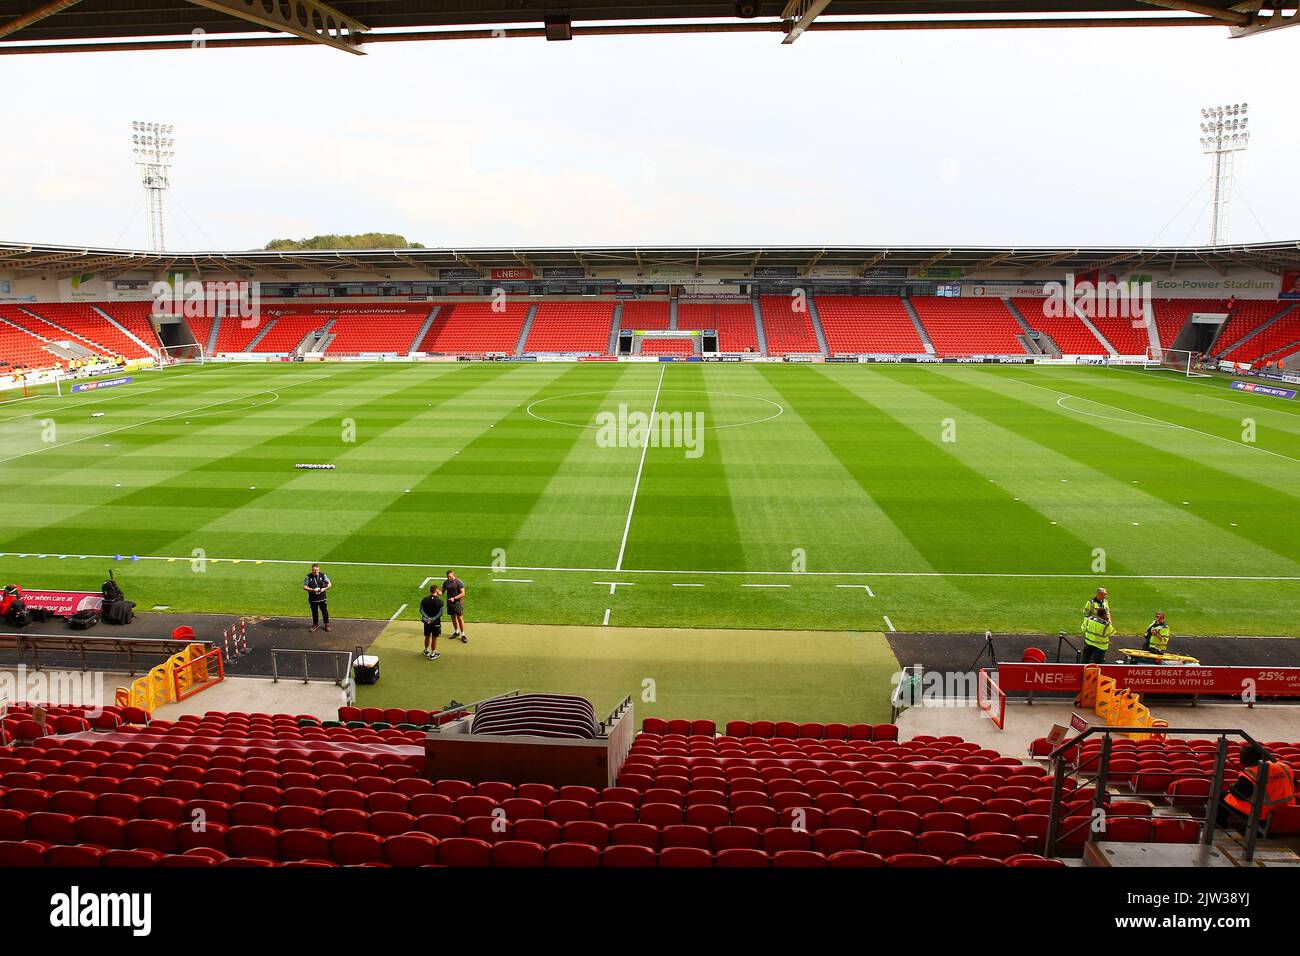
x: 1181, y: 361
x: 181, y: 355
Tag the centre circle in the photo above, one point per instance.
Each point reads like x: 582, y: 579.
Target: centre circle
x: 718, y: 406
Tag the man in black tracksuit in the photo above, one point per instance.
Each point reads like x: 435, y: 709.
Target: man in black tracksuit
x: 316, y: 584
x: 431, y: 614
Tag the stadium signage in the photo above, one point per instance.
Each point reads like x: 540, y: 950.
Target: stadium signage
x: 508, y: 274
x: 63, y: 603
x: 1263, y: 389
x: 454, y: 273
x: 1159, y: 679
x: 102, y: 383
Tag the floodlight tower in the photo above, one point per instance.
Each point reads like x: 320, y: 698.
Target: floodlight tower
x: 152, y: 144
x: 1223, y: 133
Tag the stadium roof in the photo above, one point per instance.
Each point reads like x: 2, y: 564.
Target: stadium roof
x: 28, y: 26
x: 28, y: 259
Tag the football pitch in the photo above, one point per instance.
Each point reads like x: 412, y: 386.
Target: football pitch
x: 805, y: 497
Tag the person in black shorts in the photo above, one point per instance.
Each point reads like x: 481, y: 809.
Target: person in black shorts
x: 454, y: 588
x: 317, y: 585
x: 431, y: 614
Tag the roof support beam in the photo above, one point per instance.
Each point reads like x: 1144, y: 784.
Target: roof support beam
x: 621, y: 29
x: 37, y: 15
x: 309, y: 20
x: 803, y: 13
x: 1262, y: 22
x: 1214, y: 13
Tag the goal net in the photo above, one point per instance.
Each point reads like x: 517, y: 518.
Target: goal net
x: 181, y: 355
x: 1181, y: 361
x: 991, y: 698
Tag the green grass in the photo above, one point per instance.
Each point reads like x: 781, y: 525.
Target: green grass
x: 447, y: 468
x: 719, y: 675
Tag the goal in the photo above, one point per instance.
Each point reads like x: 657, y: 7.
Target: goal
x: 991, y: 698
x: 181, y: 355
x: 1175, y: 360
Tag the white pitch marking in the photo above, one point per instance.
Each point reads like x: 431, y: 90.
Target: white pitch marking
x: 688, y: 585
x: 396, y: 613
x: 154, y: 421
x: 63, y: 408
x: 606, y: 621
x: 1046, y: 575
x: 512, y: 580
x: 425, y: 582
x: 615, y: 585
x: 865, y: 587
x: 1153, y: 421
x: 636, y: 485
x: 890, y: 623
x: 765, y: 585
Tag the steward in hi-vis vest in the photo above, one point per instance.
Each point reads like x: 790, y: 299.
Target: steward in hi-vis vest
x: 1097, y: 628
x: 1158, y: 635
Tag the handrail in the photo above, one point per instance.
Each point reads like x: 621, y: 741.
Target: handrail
x: 1099, y: 781
x: 1149, y: 731
x: 463, y: 709
x: 26, y: 642
x: 336, y: 656
x: 614, y: 714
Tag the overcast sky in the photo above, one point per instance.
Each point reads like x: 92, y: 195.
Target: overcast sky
x: 1017, y: 137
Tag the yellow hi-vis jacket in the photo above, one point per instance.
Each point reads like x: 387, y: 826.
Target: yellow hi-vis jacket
x: 1158, y: 637
x: 1097, y: 633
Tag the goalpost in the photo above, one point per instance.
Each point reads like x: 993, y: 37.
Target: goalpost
x: 1182, y: 361
x: 181, y: 355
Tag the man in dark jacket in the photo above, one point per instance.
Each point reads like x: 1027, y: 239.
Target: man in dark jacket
x: 317, y: 584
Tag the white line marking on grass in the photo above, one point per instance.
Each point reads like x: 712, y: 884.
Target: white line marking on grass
x: 1155, y: 421
x: 396, y: 613
x: 425, y: 582
x: 62, y: 408
x: 890, y: 623
x: 614, y: 585
x: 688, y: 585
x: 154, y: 421
x: 765, y: 585
x: 636, y: 486
x: 865, y: 587
x: 1046, y: 575
x: 606, y: 621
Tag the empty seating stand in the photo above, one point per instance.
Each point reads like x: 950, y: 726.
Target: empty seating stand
x: 734, y: 322
x: 684, y: 346
x: 476, y: 328
x: 645, y: 314
x: 280, y: 789
x: 858, y: 325
x: 1069, y: 333
x: 788, y: 330
x: 376, y: 332
x: 574, y: 327
x: 961, y: 327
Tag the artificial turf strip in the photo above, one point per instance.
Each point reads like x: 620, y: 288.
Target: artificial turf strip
x: 852, y: 476
x: 701, y: 674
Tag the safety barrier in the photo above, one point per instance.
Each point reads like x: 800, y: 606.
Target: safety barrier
x: 174, y: 676
x: 1118, y: 706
